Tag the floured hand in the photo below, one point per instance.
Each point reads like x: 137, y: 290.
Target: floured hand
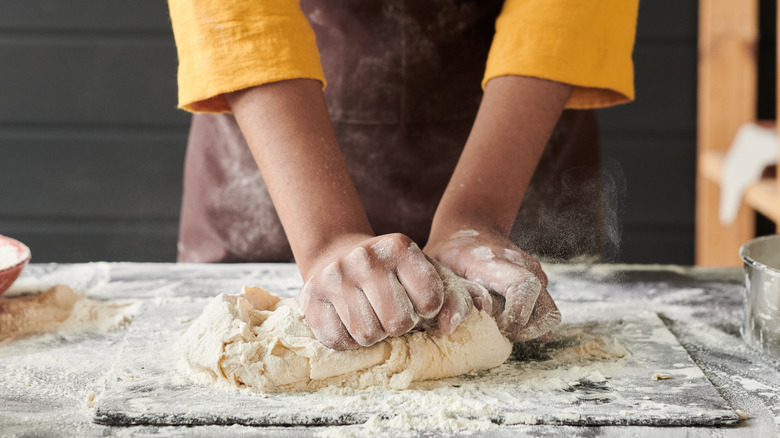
x: 528, y: 311
x: 368, y: 288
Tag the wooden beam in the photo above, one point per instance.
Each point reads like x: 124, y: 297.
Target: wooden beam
x: 728, y: 35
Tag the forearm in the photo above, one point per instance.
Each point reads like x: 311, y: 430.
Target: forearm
x: 289, y: 132
x: 514, y: 122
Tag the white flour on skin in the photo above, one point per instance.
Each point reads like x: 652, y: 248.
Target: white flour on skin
x: 464, y: 233
x: 383, y: 249
x: 60, y: 310
x: 482, y: 253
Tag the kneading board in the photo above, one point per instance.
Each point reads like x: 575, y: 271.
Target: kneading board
x: 145, y: 386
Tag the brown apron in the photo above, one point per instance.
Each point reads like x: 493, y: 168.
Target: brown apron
x: 403, y: 90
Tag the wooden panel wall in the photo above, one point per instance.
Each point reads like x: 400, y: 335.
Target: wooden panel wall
x: 91, y: 145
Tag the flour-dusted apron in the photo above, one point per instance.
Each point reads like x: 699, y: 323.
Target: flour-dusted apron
x: 403, y: 90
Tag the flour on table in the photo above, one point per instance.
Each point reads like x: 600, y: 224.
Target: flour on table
x: 469, y: 405
x: 258, y: 341
x: 62, y: 310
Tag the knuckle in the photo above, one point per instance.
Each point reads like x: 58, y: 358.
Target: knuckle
x: 533, y: 285
x: 433, y: 279
x: 476, y: 289
x: 330, y: 339
x: 395, y: 243
x: 339, y: 342
x: 399, y: 326
x: 430, y: 303
x: 366, y: 338
x: 359, y: 259
x: 402, y: 240
x: 525, y: 287
x: 436, y: 286
x: 333, y: 269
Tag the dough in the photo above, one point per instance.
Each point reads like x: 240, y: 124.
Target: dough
x: 256, y: 340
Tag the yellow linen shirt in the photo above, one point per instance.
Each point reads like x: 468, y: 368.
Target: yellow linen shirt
x: 229, y: 45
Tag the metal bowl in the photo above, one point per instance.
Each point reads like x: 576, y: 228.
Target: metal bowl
x: 761, y: 324
x: 9, y: 274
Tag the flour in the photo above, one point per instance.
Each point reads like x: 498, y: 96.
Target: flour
x: 10, y: 256
x: 47, y: 381
x: 470, y: 405
x: 483, y: 253
x: 61, y: 310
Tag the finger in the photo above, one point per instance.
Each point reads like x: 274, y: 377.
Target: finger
x: 358, y: 316
x: 520, y: 302
x: 457, y: 303
x: 456, y: 307
x: 526, y: 261
x: 391, y: 305
x: 421, y: 281
x: 498, y: 275
x: 327, y: 326
x: 479, y: 295
x: 544, y: 318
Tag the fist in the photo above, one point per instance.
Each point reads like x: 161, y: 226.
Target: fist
x: 374, y: 288
x: 524, y: 310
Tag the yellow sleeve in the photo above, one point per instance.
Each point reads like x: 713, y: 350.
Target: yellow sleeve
x: 229, y: 45
x: 585, y: 43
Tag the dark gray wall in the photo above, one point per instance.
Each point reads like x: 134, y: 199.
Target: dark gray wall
x: 91, y: 145
x: 654, y: 138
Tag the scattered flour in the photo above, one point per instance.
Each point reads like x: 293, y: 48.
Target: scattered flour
x: 470, y: 404
x: 55, y: 376
x: 256, y: 341
x: 62, y: 310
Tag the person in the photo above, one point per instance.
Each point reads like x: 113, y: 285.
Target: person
x: 432, y: 128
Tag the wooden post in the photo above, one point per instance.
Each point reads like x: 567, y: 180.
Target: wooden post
x: 728, y: 36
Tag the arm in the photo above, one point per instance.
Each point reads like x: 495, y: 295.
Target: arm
x: 473, y: 220
x: 514, y: 122
x: 359, y: 287
x: 288, y: 130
